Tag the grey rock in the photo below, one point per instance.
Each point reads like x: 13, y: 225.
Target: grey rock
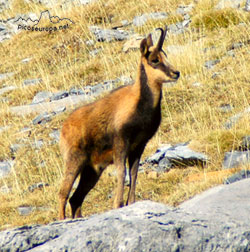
x: 141, y: 20
x: 176, y: 28
x: 247, y: 6
x: 177, y: 155
x: 42, y: 118
x: 76, y: 91
x: 164, y: 165
x: 245, y: 145
x: 197, y: 84
x: 4, y: 128
x: 227, y: 204
x: 25, y: 210
x: 235, y: 158
x: 231, y: 53
x: 95, y: 52
x: 7, y: 89
x: 59, y: 110
x: 38, y: 144
x: 90, y: 42
x: 234, y: 119
x: 4, y: 76
x: 69, y: 102
x: 236, y: 45
x: 15, y: 147
x: 31, y: 82
x: 42, y: 96
x: 59, y: 95
x: 55, y: 134
x: 5, y: 168
x: 211, y: 63
x: 228, y: 4
x: 108, y: 35
x: 243, y: 174
x: 4, y: 4
x: 225, y: 108
x: 5, y: 189
x: 40, y: 185
x: 26, y: 60
x: 216, y: 220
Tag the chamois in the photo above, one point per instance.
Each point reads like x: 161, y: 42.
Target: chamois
x: 114, y: 129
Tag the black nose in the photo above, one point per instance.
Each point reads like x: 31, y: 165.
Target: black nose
x: 177, y: 75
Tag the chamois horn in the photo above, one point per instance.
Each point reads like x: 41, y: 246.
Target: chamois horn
x: 162, y: 37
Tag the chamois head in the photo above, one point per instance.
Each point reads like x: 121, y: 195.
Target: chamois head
x: 155, y: 60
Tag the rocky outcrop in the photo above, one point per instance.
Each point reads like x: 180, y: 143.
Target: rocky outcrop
x: 216, y: 220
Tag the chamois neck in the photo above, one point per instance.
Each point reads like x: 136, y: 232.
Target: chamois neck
x: 148, y: 90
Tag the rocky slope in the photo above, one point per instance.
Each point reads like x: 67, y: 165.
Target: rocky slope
x: 216, y: 220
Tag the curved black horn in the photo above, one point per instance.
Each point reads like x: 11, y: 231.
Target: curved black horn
x: 162, y: 37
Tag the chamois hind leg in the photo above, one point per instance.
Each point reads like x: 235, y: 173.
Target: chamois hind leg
x: 134, y: 160
x: 73, y: 164
x: 88, y: 179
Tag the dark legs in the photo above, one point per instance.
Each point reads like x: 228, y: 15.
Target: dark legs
x: 134, y: 160
x: 88, y: 179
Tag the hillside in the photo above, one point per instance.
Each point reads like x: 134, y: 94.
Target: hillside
x: 79, y: 52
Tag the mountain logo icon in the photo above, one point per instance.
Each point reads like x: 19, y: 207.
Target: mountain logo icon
x: 46, y: 22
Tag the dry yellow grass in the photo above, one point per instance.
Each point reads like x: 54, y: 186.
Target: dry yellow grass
x: 62, y: 60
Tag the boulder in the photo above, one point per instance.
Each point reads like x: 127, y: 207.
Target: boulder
x: 216, y: 220
x: 176, y: 155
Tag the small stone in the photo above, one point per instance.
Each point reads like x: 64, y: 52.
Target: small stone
x: 59, y: 110
x: 55, y: 134
x: 16, y: 147
x: 25, y: 210
x: 31, y: 82
x: 40, y: 185
x: 5, y: 168
x: 235, y: 158
x: 231, y: 53
x: 26, y: 60
x: 7, y: 89
x: 247, y: 6
x: 95, y: 52
x: 236, y: 45
x: 108, y: 35
x: 225, y: 108
x: 5, y: 189
x: 211, y: 63
x: 42, y: 96
x: 245, y: 143
x: 38, y: 144
x: 59, y: 95
x: 76, y: 91
x: 4, y: 76
x: 90, y: 42
x: 42, y: 118
x: 197, y: 84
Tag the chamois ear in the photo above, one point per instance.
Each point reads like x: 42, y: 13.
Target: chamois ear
x: 145, y: 44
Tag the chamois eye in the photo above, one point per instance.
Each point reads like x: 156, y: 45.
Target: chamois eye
x: 155, y: 61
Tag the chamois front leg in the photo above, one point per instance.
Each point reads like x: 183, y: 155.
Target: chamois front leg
x: 133, y: 160
x: 120, y: 156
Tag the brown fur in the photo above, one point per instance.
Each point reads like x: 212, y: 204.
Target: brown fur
x: 114, y: 129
